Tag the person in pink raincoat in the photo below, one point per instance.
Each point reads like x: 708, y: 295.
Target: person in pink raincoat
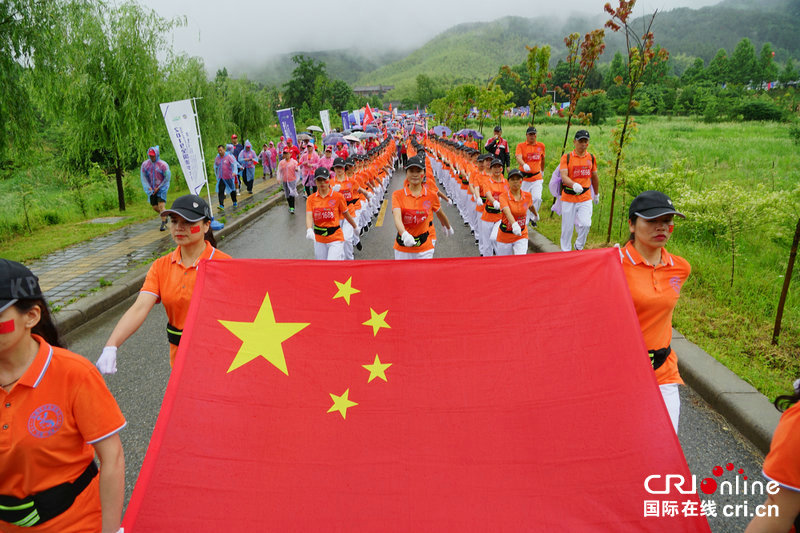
x: 309, y: 161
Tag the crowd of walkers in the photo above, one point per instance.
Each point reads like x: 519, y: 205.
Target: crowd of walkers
x: 52, y: 483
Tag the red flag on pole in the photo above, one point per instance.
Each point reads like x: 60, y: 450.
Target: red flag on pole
x: 417, y: 404
x: 368, y: 116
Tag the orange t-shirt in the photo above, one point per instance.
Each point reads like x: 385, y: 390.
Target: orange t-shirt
x: 417, y: 214
x: 519, y: 208
x: 579, y: 169
x: 655, y: 291
x: 532, y: 154
x: 492, y: 191
x: 781, y: 464
x: 327, y: 212
x: 173, y: 284
x: 346, y: 189
x: 56, y: 411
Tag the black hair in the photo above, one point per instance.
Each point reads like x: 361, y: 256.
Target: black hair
x: 632, y: 220
x: 45, y: 328
x: 221, y: 146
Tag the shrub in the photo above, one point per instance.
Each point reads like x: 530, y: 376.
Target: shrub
x: 758, y: 109
x: 596, y: 104
x: 51, y: 218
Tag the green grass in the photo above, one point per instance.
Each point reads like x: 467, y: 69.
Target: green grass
x: 732, y: 323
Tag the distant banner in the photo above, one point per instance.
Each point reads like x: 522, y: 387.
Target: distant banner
x: 345, y: 120
x: 286, y: 118
x: 325, y: 118
x: 179, y: 117
x: 357, y: 116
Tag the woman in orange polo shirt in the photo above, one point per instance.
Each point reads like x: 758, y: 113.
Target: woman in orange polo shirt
x: 58, y: 413
x: 170, y: 279
x: 491, y: 189
x: 655, y: 278
x: 512, y: 235
x: 412, y: 208
x: 324, y: 211
x: 782, y: 466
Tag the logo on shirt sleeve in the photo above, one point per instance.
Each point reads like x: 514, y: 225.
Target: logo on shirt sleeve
x: 45, y: 421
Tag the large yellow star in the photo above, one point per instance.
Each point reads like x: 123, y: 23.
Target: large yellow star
x: 341, y: 403
x: 377, y: 321
x: 345, y: 290
x: 262, y: 337
x: 377, y: 369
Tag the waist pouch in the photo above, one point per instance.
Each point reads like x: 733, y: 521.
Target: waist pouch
x: 39, y: 508
x: 326, y: 232
x: 352, y: 201
x: 174, y: 334
x: 657, y: 357
x: 570, y: 191
x: 530, y: 175
x: 505, y: 228
x: 419, y: 239
x: 491, y: 209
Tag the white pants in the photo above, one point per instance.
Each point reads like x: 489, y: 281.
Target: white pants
x: 579, y: 216
x: 331, y: 251
x: 535, y: 188
x: 672, y: 399
x: 347, y: 232
x: 427, y: 254
x: 519, y: 247
x: 485, y: 243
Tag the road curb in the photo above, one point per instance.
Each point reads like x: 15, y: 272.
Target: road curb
x: 74, y: 315
x: 746, y: 409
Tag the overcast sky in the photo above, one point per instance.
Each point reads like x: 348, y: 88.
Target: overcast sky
x: 256, y: 30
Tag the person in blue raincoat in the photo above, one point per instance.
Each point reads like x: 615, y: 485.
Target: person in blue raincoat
x: 247, y: 160
x: 225, y: 168
x: 155, y: 176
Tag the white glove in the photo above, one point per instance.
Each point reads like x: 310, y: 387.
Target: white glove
x: 337, y: 187
x: 450, y: 201
x: 496, y: 204
x: 310, y: 234
x: 449, y: 231
x: 407, y: 239
x: 535, y: 218
x: 107, y: 362
x: 369, y: 195
x: 596, y: 198
x: 478, y: 200
x: 577, y: 187
x: 515, y: 229
x: 526, y: 167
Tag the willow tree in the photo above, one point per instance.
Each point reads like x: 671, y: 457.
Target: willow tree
x: 112, y: 85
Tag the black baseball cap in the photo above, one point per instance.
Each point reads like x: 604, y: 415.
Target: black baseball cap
x: 338, y: 162
x: 416, y: 162
x: 350, y: 161
x: 652, y: 204
x: 496, y: 162
x: 530, y: 130
x: 190, y: 207
x: 581, y: 134
x: 484, y: 157
x: 515, y: 173
x: 17, y: 282
x: 498, y: 128
x: 322, y: 173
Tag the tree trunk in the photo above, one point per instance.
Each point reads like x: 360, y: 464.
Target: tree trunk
x: 616, y: 166
x: 120, y: 190
x: 786, y: 281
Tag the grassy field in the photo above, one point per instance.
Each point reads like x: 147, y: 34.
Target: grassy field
x: 740, y: 179
x: 44, y: 209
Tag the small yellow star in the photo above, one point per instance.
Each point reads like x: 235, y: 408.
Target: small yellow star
x: 377, y: 369
x: 341, y: 403
x: 377, y: 321
x: 262, y: 337
x: 345, y: 290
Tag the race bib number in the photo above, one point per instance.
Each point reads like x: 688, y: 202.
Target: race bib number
x: 413, y: 217
x: 581, y: 172
x: 323, y: 215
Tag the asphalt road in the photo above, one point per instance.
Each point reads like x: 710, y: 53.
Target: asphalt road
x: 143, y: 366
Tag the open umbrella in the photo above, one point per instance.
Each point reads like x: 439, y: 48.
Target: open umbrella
x: 442, y: 130
x: 358, y: 135
x: 466, y: 131
x: 356, y: 128
x: 332, y: 139
x: 314, y: 128
x: 371, y: 129
x: 304, y: 137
x: 352, y: 138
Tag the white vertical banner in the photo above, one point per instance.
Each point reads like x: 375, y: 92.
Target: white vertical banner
x: 325, y: 118
x: 179, y: 117
x: 357, y: 116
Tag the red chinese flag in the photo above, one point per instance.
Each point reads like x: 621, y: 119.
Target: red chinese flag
x: 368, y: 116
x: 407, y: 396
